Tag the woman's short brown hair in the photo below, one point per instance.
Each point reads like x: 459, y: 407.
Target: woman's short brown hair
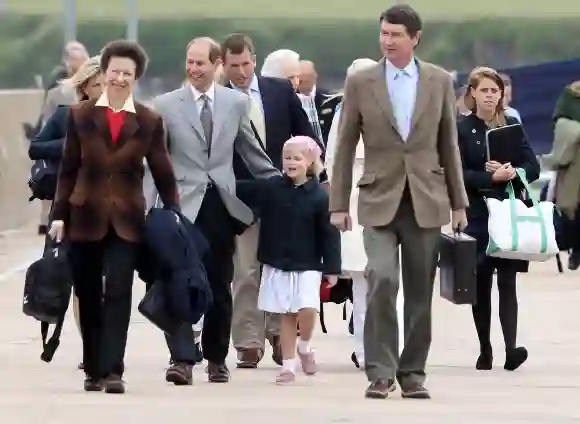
x: 126, y: 49
x: 475, y: 77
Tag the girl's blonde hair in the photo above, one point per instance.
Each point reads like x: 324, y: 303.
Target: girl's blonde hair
x: 87, y: 71
x: 313, y: 151
x: 475, y: 77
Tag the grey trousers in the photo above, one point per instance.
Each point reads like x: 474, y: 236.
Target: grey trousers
x: 419, y: 250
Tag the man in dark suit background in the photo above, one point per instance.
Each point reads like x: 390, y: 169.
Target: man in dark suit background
x: 276, y: 114
x: 308, y: 87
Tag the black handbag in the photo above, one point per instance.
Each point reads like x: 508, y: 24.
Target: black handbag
x: 153, y: 306
x: 338, y: 294
x: 47, y: 290
x: 457, y: 268
x: 42, y: 181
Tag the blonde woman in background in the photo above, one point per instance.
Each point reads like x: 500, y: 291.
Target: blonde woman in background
x: 354, y: 259
x: 48, y: 144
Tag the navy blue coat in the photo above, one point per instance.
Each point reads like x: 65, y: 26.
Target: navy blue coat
x: 173, y: 251
x: 48, y: 143
x: 284, y: 117
x: 478, y: 182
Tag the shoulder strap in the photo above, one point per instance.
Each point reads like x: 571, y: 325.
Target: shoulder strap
x: 321, y: 315
x: 49, y: 347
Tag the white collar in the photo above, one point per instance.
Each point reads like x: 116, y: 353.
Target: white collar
x: 129, y: 105
x: 411, y: 69
x: 210, y: 92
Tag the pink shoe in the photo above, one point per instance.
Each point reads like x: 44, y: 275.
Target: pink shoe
x: 285, y: 377
x: 308, y: 362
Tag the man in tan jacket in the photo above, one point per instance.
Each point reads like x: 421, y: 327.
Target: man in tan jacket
x: 405, y: 110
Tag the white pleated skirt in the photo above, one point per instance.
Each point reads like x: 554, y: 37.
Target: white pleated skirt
x: 283, y: 292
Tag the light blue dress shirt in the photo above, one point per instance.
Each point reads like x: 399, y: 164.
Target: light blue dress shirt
x: 402, y: 87
x: 254, y: 91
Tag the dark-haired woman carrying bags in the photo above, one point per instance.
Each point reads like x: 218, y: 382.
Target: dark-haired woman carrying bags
x: 483, y: 178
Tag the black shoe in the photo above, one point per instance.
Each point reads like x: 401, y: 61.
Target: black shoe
x: 514, y: 358
x: 179, y: 374
x: 217, y: 373
x: 114, y: 384
x: 574, y: 261
x: 198, y: 353
x: 485, y: 360
x: 93, y: 385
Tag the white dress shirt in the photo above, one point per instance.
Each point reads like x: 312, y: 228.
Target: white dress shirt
x: 210, y: 93
x: 129, y: 105
x: 402, y: 86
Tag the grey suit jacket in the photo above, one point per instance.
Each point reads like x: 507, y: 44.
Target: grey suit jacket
x: 189, y: 149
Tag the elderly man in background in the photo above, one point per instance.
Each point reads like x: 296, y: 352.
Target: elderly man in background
x: 285, y: 64
x: 276, y: 115
x: 313, y: 97
x: 75, y: 54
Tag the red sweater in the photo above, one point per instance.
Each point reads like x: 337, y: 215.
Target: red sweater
x: 115, y: 121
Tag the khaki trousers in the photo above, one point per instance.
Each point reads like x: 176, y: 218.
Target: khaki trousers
x: 250, y: 326
x: 45, y: 211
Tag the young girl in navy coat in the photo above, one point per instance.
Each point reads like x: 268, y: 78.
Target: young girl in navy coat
x: 297, y: 246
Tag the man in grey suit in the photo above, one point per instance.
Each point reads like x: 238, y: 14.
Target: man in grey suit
x: 205, y: 124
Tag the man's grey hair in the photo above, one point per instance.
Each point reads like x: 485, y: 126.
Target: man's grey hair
x: 75, y: 50
x: 276, y: 61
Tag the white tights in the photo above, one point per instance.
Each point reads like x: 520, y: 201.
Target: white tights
x: 359, y: 309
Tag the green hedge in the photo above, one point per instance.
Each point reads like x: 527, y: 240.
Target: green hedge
x: 31, y: 45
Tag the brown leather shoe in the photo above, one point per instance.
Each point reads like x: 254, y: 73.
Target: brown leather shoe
x: 114, y: 384
x: 249, y: 358
x: 92, y: 385
x: 217, y: 373
x: 276, y: 349
x: 179, y: 374
x: 380, y: 389
x: 415, y: 391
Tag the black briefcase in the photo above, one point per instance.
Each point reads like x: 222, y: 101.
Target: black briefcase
x: 153, y: 306
x: 457, y: 268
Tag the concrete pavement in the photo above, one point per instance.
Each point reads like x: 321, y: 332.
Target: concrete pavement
x: 546, y: 390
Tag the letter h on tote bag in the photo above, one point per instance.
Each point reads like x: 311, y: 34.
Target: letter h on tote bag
x: 517, y: 231
x: 457, y: 268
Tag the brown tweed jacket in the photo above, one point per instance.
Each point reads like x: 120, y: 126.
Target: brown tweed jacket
x: 100, y: 183
x: 428, y: 162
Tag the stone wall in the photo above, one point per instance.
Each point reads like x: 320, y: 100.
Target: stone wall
x: 16, y: 107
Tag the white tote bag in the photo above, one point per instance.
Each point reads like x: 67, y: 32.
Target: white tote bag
x: 517, y: 231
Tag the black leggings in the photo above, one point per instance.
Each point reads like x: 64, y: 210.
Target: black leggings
x: 508, y: 304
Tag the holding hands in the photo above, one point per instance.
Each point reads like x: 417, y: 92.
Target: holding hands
x: 332, y: 280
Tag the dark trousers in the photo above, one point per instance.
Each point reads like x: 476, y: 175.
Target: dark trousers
x: 215, y: 223
x: 575, y: 233
x: 104, y: 317
x: 508, y: 304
